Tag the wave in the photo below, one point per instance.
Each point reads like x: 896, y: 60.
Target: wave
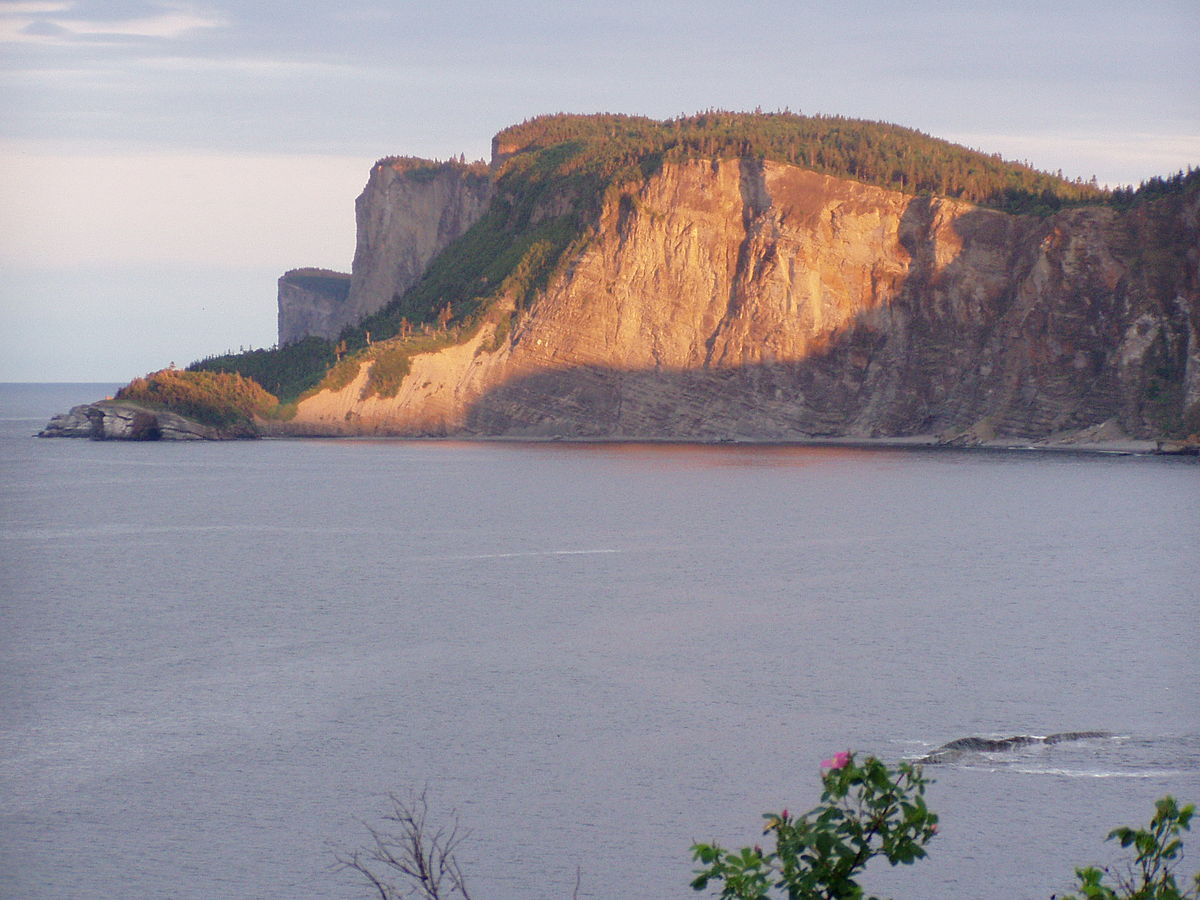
x: 1098, y: 773
x: 525, y: 553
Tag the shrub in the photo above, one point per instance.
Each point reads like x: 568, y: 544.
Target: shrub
x: 387, y: 372
x: 1151, y: 875
x: 219, y: 399
x: 866, y: 810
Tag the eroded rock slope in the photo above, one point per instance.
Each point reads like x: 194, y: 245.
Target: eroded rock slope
x: 742, y: 298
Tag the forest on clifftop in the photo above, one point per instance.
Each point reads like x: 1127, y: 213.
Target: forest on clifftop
x: 513, y: 249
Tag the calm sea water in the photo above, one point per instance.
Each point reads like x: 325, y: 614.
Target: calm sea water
x: 216, y: 660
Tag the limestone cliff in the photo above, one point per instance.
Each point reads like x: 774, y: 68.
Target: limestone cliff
x: 312, y: 302
x: 409, y: 212
x: 749, y: 298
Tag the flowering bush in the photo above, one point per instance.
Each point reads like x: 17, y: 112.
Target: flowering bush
x: 866, y: 810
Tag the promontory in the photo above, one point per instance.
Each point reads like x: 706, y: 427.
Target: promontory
x: 738, y: 276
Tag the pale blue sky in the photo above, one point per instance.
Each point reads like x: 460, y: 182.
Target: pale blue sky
x: 161, y: 163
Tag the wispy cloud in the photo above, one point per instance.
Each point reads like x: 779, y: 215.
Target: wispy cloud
x: 48, y: 23
x: 250, y: 65
x: 34, y: 8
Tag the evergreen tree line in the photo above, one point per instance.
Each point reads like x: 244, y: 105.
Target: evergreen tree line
x: 876, y: 153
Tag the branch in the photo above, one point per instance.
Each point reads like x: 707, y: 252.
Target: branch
x: 424, y: 858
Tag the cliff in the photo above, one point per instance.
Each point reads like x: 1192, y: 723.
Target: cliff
x: 741, y: 297
x: 409, y: 212
x: 312, y: 302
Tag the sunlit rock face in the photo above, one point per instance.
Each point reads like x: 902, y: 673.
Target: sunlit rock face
x: 409, y: 211
x: 405, y: 218
x: 754, y: 299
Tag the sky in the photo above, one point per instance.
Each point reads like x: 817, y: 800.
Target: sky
x: 162, y: 163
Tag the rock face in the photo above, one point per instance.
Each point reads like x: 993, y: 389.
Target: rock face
x: 122, y: 421
x: 755, y: 299
x: 312, y: 302
x: 405, y: 217
x: 407, y: 214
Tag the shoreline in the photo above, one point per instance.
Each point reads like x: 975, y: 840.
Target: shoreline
x: 1128, y: 447
x: 117, y: 420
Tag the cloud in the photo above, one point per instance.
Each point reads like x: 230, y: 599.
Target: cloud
x: 252, y: 65
x: 40, y: 23
x: 14, y: 9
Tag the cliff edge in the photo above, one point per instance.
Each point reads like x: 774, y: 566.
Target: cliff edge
x: 767, y: 277
x: 755, y: 299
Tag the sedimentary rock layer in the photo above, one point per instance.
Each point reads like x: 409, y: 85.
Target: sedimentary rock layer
x: 742, y: 298
x: 123, y: 421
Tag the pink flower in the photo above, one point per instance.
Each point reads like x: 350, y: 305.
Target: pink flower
x: 839, y: 760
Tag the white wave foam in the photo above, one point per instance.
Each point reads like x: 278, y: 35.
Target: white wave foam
x: 526, y: 553
x: 1095, y: 773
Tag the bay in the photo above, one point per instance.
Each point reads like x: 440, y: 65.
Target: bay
x: 217, y: 659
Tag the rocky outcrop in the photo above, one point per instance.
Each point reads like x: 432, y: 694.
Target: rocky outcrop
x: 957, y: 749
x: 312, y: 302
x: 742, y: 298
x: 123, y: 421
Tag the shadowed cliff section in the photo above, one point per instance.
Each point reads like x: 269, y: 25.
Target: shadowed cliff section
x: 992, y: 325
x: 747, y: 300
x: 409, y: 212
x: 802, y: 276
x: 311, y: 302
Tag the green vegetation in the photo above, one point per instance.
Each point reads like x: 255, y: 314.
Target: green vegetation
x: 554, y: 173
x: 419, y: 169
x: 1151, y: 875
x: 391, y: 364
x: 287, y: 372
x: 876, y: 153
x: 320, y: 281
x: 222, y: 400
x: 1179, y: 183
x: 866, y: 810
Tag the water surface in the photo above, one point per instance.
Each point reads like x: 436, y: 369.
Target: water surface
x: 216, y: 659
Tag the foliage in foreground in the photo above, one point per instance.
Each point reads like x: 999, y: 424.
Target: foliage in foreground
x: 1150, y: 876
x: 219, y: 399
x: 866, y: 810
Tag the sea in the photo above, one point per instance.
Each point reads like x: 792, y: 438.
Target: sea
x: 218, y: 661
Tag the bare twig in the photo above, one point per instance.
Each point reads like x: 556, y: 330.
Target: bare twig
x: 410, y: 849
